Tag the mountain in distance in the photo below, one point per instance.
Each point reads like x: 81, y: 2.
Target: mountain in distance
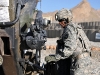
x: 83, y: 12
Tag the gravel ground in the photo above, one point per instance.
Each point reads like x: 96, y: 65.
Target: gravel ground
x: 52, y: 41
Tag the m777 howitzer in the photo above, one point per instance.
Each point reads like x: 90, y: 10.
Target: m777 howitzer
x: 34, y: 39
x: 16, y: 49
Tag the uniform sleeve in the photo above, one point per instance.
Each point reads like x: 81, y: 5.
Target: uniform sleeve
x: 70, y: 42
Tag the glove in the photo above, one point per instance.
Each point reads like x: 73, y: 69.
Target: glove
x: 59, y: 41
x: 50, y: 58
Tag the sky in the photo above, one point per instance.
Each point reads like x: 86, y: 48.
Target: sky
x: 53, y: 5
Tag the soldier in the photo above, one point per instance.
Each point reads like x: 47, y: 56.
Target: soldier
x: 74, y: 44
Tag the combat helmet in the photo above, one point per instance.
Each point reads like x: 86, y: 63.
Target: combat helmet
x: 63, y: 14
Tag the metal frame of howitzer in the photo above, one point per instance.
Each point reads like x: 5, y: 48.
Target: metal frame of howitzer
x: 13, y: 58
x: 35, y: 38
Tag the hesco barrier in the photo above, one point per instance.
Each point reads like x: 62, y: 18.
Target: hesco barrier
x: 92, y: 30
x: 54, y: 33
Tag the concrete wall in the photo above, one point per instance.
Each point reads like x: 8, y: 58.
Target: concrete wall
x: 4, y: 11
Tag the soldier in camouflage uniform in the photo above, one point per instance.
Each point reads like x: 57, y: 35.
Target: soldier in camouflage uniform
x: 74, y: 44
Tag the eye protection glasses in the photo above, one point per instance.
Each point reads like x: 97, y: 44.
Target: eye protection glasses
x: 61, y: 20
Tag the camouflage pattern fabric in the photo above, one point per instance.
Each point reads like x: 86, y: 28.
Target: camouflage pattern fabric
x: 64, y: 14
x: 86, y: 66
x: 71, y: 43
x: 1, y: 60
x: 74, y: 46
x: 50, y: 58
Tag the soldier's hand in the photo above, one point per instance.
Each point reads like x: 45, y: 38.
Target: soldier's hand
x: 60, y: 41
x: 50, y: 58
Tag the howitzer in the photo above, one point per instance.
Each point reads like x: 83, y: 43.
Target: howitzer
x: 34, y: 38
x: 17, y: 47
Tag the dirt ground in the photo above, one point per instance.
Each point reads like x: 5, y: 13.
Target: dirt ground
x: 52, y: 41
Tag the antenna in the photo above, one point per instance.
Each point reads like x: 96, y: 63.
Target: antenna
x: 40, y: 4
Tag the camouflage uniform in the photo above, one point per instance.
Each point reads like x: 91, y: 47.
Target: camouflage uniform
x: 86, y: 66
x: 77, y: 46
x: 1, y: 60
